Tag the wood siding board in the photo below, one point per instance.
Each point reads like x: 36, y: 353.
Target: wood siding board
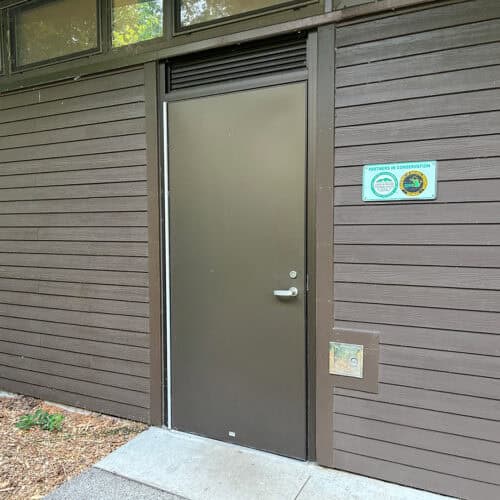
x: 405, y: 435
x: 420, y: 43
x: 120, y: 263
x: 117, y: 367
x: 126, y: 294
x: 430, y: 359
x: 416, y: 457
x: 85, y: 276
x: 73, y: 134
x: 110, y: 122
x: 473, y: 300
x: 75, y: 303
x: 86, y: 337
x: 438, y: 255
x: 84, y: 318
x: 485, y: 235
x: 452, y: 383
x: 72, y: 234
x: 85, y: 354
x: 91, y: 176
x: 85, y: 86
x: 78, y: 386
x: 420, y: 86
x: 105, y: 190
x: 34, y: 117
x: 473, y: 321
x: 416, y: 477
x: 475, y: 56
x: 79, y: 147
x: 74, y: 273
x: 96, y: 248
x: 487, y: 431
x: 102, y: 219
x: 458, y: 103
x: 416, y: 397
x: 464, y: 125
x: 437, y: 149
x: 74, y: 263
x: 109, y: 234
x: 84, y: 121
x: 89, y: 205
x: 436, y: 213
x: 66, y: 164
x: 121, y: 381
x: 101, y: 405
x: 422, y: 20
x: 444, y: 340
x: 450, y: 277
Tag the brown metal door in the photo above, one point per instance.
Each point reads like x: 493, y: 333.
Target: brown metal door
x: 237, y: 169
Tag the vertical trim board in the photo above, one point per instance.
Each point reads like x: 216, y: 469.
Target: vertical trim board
x: 324, y: 238
x: 153, y: 121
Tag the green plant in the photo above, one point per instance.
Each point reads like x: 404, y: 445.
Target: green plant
x: 41, y: 418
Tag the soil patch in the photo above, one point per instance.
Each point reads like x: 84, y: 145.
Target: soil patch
x: 33, y: 462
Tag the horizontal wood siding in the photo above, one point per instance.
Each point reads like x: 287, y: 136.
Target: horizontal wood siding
x: 412, y: 86
x: 74, y: 296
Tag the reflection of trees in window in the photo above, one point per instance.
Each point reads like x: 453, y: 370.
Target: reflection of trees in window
x: 55, y: 29
x: 201, y: 11
x: 136, y: 20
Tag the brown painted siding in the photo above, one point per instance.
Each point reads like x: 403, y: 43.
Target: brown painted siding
x: 74, y: 297
x: 416, y: 86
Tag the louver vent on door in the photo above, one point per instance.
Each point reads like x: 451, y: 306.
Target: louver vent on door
x: 237, y: 62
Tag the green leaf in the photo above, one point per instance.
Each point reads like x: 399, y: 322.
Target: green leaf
x: 43, y: 419
x: 25, y: 422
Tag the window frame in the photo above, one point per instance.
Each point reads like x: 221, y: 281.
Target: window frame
x: 11, y: 19
x: 284, y: 6
x: 3, y: 48
x: 106, y: 57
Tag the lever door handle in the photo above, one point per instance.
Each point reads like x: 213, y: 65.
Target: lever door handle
x: 291, y: 292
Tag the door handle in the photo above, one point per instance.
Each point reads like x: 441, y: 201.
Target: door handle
x: 291, y: 292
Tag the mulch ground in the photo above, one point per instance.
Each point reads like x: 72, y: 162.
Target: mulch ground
x: 34, y: 462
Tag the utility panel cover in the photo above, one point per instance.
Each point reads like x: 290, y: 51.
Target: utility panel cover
x: 400, y: 181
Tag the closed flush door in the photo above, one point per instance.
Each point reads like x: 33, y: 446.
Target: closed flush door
x: 237, y: 167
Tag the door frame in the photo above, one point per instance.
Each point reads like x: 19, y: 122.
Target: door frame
x: 316, y: 246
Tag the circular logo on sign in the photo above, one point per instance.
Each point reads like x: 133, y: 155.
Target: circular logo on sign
x: 384, y: 184
x: 413, y: 183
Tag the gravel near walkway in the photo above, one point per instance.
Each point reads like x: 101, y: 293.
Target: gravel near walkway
x: 34, y: 462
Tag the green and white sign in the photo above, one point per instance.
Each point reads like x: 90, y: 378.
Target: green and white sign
x: 400, y: 181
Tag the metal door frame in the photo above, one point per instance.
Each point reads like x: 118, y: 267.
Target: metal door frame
x: 310, y: 77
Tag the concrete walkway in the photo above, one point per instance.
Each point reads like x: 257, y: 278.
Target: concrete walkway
x: 161, y: 464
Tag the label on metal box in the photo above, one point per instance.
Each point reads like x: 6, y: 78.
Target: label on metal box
x: 346, y: 359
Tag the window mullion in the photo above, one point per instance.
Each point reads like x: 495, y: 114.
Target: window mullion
x: 106, y: 25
